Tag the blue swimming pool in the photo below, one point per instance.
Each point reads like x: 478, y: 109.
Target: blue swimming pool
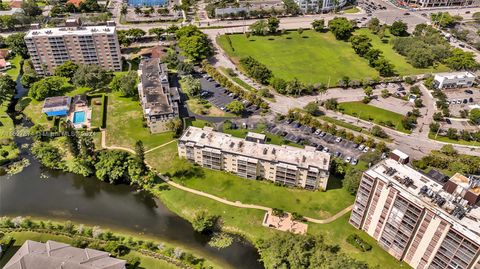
x: 148, y: 3
x: 78, y: 117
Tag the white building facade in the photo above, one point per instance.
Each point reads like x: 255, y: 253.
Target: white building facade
x: 316, y: 6
x: 453, y: 80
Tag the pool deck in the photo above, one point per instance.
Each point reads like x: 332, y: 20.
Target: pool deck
x: 88, y: 116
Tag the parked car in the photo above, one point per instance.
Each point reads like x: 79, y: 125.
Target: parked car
x: 338, y: 140
x: 355, y: 146
x: 469, y: 91
x: 317, y: 132
x: 465, y: 101
x: 354, y: 161
x: 361, y: 147
x: 320, y: 147
x: 365, y: 150
x: 325, y: 150
x: 347, y: 159
x: 470, y: 100
x: 406, y: 13
x: 448, y: 121
x: 337, y: 154
x: 222, y: 108
x: 322, y: 134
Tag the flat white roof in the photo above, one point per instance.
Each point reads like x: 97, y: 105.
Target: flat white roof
x: 306, y: 157
x: 454, y: 75
x: 468, y: 225
x: 62, y: 31
x: 256, y: 135
x: 400, y: 154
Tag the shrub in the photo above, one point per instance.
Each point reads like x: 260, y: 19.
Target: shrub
x: 358, y: 242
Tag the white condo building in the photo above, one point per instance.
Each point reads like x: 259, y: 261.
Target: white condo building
x: 315, y: 6
x: 253, y: 159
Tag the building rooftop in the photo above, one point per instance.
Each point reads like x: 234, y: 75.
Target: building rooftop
x: 33, y: 255
x: 76, y: 30
x: 156, y: 93
x: 431, y: 194
x: 306, y: 158
x: 455, y: 75
x: 56, y: 101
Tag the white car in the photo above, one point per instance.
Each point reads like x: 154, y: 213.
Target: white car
x: 338, y: 140
x: 317, y: 132
x: 361, y: 147
x: 347, y: 160
x: 222, y: 108
x: 325, y: 150
x: 365, y: 149
x: 354, y: 161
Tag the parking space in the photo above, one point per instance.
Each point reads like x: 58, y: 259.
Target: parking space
x: 397, y: 105
x: 326, y: 142
x: 459, y: 124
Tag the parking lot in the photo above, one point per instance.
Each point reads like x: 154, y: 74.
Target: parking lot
x: 219, y: 96
x: 460, y: 99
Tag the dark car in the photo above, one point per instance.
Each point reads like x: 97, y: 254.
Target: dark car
x: 465, y: 101
x: 470, y: 100
x: 469, y: 91
x: 448, y: 121
x: 406, y: 13
x: 320, y: 147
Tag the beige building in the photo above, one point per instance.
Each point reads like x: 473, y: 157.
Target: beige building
x: 50, y: 47
x: 291, y: 166
x: 160, y: 101
x: 426, y: 223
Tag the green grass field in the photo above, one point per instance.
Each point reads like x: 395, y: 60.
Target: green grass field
x: 401, y: 65
x: 15, y: 70
x: 96, y: 105
x: 377, y: 115
x: 125, y: 125
x: 312, y: 57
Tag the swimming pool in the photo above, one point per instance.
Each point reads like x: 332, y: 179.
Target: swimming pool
x: 149, y: 3
x: 78, y: 117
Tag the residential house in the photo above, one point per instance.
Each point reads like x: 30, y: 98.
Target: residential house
x: 56, y: 106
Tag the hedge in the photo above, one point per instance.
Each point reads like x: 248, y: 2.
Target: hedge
x: 104, y: 111
x: 358, y: 242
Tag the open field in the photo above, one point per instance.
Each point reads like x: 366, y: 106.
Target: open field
x: 313, y: 204
x: 15, y: 70
x: 315, y: 57
x: 375, y: 114
x: 312, y: 57
x: 6, y: 123
x: 96, y: 111
x: 401, y: 65
x: 206, y: 109
x: 125, y: 125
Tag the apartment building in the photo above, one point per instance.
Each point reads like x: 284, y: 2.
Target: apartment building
x: 50, y: 47
x: 315, y: 6
x: 306, y: 168
x: 160, y: 101
x: 442, y: 3
x: 426, y: 223
x: 453, y: 80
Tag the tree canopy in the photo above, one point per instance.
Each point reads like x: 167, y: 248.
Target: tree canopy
x: 193, y: 43
x: 126, y: 84
x: 399, y: 28
x: 190, y: 85
x: 236, y: 107
x: 341, y: 28
x: 49, y: 86
x: 16, y: 42
x: 66, y: 70
x: 461, y: 60
x: 92, y: 76
x: 318, y: 25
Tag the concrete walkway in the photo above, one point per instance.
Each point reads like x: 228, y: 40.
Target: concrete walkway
x: 216, y: 198
x: 161, y: 146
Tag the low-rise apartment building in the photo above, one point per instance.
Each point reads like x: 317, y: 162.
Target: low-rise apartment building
x: 160, y: 101
x: 315, y: 6
x: 453, y: 80
x: 51, y: 47
x: 306, y: 168
x: 426, y: 223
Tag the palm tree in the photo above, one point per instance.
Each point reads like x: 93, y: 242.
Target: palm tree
x: 124, y: 10
x: 138, y: 10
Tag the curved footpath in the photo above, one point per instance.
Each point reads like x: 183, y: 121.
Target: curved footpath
x: 216, y: 198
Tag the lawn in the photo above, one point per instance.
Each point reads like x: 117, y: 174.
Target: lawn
x: 401, y: 65
x: 206, y: 109
x: 312, y: 57
x: 125, y: 125
x: 351, y: 10
x: 162, y: 159
x: 451, y: 141
x: 15, y: 70
x: 6, y: 123
x: 342, y: 124
x: 96, y: 105
x: 313, y: 204
x: 375, y: 114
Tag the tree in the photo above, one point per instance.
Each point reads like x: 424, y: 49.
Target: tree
x: 196, y: 47
x: 7, y: 87
x: 171, y: 59
x: 236, y: 107
x: 418, y: 103
x: 341, y: 28
x: 475, y: 115
x: 448, y: 150
x: 112, y: 166
x: 203, y: 222
x: 29, y: 75
x: 190, y: 85
x: 318, y: 25
x: 312, y: 108
x: 259, y: 27
x: 185, y: 68
x: 66, y: 70
x: 124, y: 10
x: 255, y: 69
x: 92, y: 76
x: 385, y: 93
x: 452, y: 133
x: 49, y: 86
x: 331, y: 104
x: 176, y: 126
x: 378, y: 131
x: 368, y: 91
x: 140, y: 153
x: 31, y: 8
x: 399, y: 28
x: 384, y: 67
x: 291, y: 7
x: 444, y: 19
x: 135, y: 33
x: 126, y: 84
x: 361, y: 44
x: 374, y: 25
x: 16, y: 43
x: 47, y: 154
x: 434, y: 127
x: 273, y: 23
x: 158, y: 32
x: 461, y: 60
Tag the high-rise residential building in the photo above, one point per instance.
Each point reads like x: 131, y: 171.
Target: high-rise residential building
x: 160, y: 101
x: 51, y: 47
x: 253, y: 159
x: 426, y: 223
x: 315, y: 6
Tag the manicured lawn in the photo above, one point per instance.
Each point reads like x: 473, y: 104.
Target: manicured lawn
x: 377, y: 115
x: 206, y: 109
x: 341, y: 123
x: 401, y: 65
x: 149, y: 262
x: 162, y: 159
x: 313, y: 204
x: 125, y: 125
x: 312, y: 57
x: 337, y: 231
x: 15, y: 70
x: 351, y: 10
x: 451, y: 141
x: 96, y: 111
x: 6, y: 123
